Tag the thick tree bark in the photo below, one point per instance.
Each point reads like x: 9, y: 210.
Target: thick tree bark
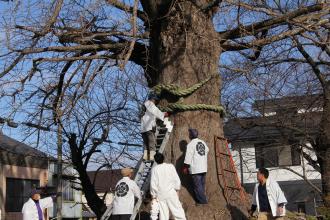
x: 185, y: 50
x: 323, y: 146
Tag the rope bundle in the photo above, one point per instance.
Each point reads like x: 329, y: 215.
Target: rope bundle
x: 177, y: 91
x: 184, y: 92
x: 177, y: 107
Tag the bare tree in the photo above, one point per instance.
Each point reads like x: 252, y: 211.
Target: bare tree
x: 68, y: 45
x: 297, y: 67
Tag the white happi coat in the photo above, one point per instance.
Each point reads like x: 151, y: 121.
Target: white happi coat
x: 163, y: 186
x: 30, y: 211
x: 196, y: 156
x: 275, y: 197
x: 126, y: 190
x: 148, y: 120
x: 164, y: 181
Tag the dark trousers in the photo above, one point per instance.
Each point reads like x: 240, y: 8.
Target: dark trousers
x: 149, y: 141
x: 199, y: 187
x: 120, y: 217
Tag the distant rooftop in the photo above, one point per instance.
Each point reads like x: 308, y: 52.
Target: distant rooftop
x: 287, y: 117
x: 105, y: 180
x: 288, y: 103
x: 13, y: 152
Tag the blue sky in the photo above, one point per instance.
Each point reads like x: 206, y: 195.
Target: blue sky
x: 26, y: 9
x: 48, y: 143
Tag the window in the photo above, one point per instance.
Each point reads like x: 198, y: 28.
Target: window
x: 289, y: 156
x: 266, y: 156
x: 301, y: 207
x: 295, y: 156
x: 284, y: 156
x: 68, y: 192
x: 276, y: 156
x: 18, y: 192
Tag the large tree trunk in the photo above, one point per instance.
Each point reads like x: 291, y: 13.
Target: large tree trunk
x: 185, y: 50
x: 323, y: 147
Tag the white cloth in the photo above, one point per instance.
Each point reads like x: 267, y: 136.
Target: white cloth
x: 163, y: 186
x: 154, y: 209
x: 275, y: 197
x: 126, y: 190
x: 164, y: 179
x: 168, y: 125
x: 30, y: 211
x: 148, y: 120
x: 171, y: 204
x: 196, y: 156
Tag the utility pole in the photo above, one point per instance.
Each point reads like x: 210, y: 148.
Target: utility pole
x: 241, y: 164
x: 1, y: 199
x: 59, y: 172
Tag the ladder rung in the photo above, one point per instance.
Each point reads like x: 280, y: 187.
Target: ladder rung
x: 231, y: 171
x: 231, y: 187
x: 162, y: 129
x: 224, y: 154
x: 143, y: 176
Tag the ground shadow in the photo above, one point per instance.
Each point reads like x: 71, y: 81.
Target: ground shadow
x: 142, y: 216
x: 236, y: 213
x: 186, y: 180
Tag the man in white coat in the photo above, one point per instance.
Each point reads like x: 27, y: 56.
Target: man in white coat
x: 148, y: 125
x: 125, y: 192
x: 34, y: 208
x: 164, y: 187
x: 195, y: 163
x: 268, y: 198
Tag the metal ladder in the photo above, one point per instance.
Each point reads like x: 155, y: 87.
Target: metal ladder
x: 142, y: 177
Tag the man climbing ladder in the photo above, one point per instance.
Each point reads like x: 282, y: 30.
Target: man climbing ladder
x: 148, y: 125
x: 142, y: 177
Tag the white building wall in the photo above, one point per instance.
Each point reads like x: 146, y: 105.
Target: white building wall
x: 73, y: 209
x: 279, y: 174
x: 70, y: 209
x: 108, y: 199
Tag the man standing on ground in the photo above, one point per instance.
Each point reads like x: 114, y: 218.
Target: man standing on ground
x: 268, y: 198
x: 33, y: 209
x: 126, y: 190
x: 196, y: 162
x: 164, y: 187
x: 148, y: 125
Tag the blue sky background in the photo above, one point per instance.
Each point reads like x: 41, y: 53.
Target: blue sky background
x: 236, y: 92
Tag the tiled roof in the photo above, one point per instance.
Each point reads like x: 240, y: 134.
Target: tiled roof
x: 105, y: 180
x: 259, y: 129
x: 13, y: 152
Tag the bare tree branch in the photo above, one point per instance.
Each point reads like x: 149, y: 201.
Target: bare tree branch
x: 310, y: 60
x: 255, y: 28
x: 134, y: 30
x: 122, y: 6
x: 232, y: 46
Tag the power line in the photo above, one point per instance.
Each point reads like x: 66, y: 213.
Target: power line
x: 15, y: 124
